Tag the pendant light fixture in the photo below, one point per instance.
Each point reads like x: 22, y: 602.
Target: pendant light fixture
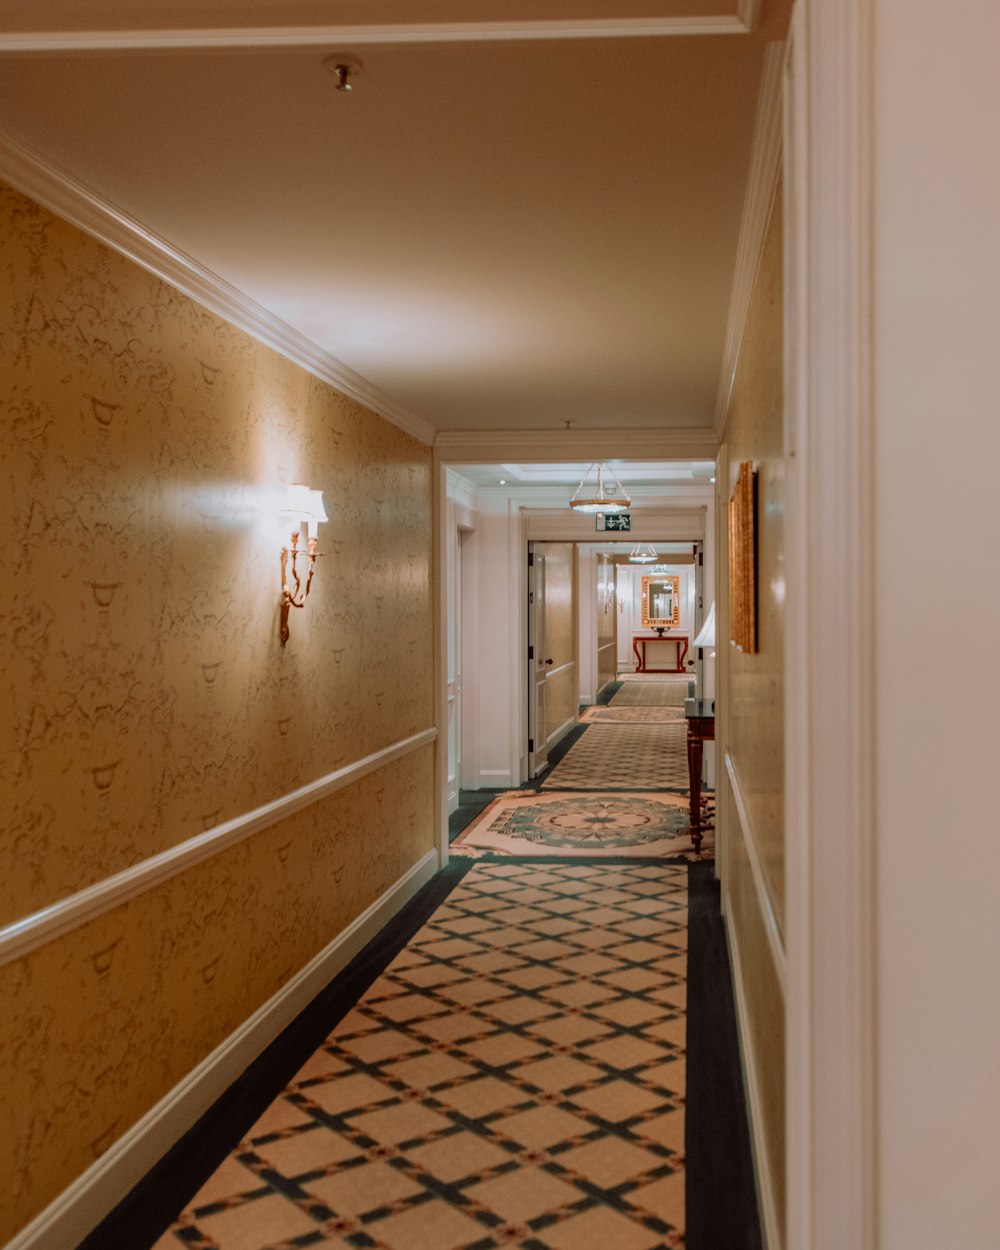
x: 643, y: 553
x: 590, y: 495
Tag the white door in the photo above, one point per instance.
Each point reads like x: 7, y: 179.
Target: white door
x: 538, y: 662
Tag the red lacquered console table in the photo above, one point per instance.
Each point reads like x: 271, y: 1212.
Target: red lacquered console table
x: 648, y: 662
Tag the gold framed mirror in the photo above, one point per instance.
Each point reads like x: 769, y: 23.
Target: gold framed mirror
x: 661, y: 602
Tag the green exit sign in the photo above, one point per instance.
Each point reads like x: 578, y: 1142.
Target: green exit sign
x: 614, y: 521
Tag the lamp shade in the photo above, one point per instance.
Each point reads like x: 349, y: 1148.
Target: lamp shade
x: 706, y: 635
x: 298, y: 502
x: 318, y: 511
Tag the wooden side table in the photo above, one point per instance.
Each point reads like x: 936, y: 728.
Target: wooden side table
x: 643, y: 644
x: 700, y: 717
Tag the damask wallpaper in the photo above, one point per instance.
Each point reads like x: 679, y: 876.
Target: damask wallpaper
x: 145, y: 448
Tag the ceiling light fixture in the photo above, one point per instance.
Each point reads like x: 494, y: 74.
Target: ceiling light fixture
x: 643, y: 553
x: 344, y: 68
x: 591, y: 496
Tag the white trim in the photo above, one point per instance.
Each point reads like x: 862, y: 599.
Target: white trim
x: 17, y: 939
x: 78, y: 1209
x: 755, y: 1108
x: 495, y: 779
x: 830, y: 631
x: 63, y: 194
x: 768, y: 918
x: 445, y: 541
x: 554, y: 672
x: 325, y: 36
x: 545, y: 446
x: 559, y: 734
x: 765, y: 162
x: 748, y: 11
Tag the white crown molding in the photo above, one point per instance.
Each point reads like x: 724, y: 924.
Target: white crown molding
x: 552, y: 446
x: 462, y: 492
x: 738, y: 23
x: 684, y: 524
x: 765, y: 162
x: 57, y: 190
x: 23, y: 936
x: 748, y: 12
x: 81, y: 1207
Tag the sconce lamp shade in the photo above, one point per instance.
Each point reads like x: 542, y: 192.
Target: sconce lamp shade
x: 643, y: 553
x: 706, y: 636
x: 590, y: 496
x: 318, y: 511
x: 298, y: 502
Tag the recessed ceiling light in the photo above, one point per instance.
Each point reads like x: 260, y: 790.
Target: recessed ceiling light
x: 503, y: 481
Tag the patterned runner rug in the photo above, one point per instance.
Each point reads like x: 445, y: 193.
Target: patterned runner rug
x: 515, y: 1078
x: 528, y: 823
x: 652, y: 677
x: 650, y: 694
x: 624, y: 757
x: 630, y: 715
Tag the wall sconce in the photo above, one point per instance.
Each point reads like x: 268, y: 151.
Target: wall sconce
x: 621, y: 603
x: 301, y: 504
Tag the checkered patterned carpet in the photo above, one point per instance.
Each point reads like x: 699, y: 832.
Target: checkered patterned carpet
x: 630, y: 715
x: 624, y: 757
x: 515, y: 1078
x: 651, y: 694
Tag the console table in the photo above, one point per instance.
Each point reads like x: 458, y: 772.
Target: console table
x: 700, y: 717
x: 654, y: 653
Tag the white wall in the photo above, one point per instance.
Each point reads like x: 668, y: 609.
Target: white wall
x: 937, y: 506
x: 630, y: 616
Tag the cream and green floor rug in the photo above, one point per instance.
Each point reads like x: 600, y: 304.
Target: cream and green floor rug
x: 631, y: 715
x: 604, y: 824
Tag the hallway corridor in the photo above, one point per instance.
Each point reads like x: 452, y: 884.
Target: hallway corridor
x: 539, y: 1052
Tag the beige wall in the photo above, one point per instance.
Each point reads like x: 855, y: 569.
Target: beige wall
x: 148, y: 697
x: 752, y: 729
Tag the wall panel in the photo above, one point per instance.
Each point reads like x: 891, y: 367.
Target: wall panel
x: 146, y: 444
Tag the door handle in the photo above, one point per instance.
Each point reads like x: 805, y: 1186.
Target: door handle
x: 548, y: 661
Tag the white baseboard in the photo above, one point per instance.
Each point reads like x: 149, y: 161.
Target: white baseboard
x: 560, y: 733
x: 495, y: 779
x: 749, y: 1061
x: 82, y: 1206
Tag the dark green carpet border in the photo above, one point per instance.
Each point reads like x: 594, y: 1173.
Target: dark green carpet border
x: 152, y: 1206
x: 721, y: 1190
x: 721, y: 1195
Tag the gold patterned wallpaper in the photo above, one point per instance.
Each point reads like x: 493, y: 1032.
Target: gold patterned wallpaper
x: 145, y: 447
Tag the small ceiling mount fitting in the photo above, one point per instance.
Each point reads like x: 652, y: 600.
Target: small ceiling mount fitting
x: 344, y: 66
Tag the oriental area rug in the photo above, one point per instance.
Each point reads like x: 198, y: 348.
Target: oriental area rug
x: 515, y: 1077
x: 528, y: 822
